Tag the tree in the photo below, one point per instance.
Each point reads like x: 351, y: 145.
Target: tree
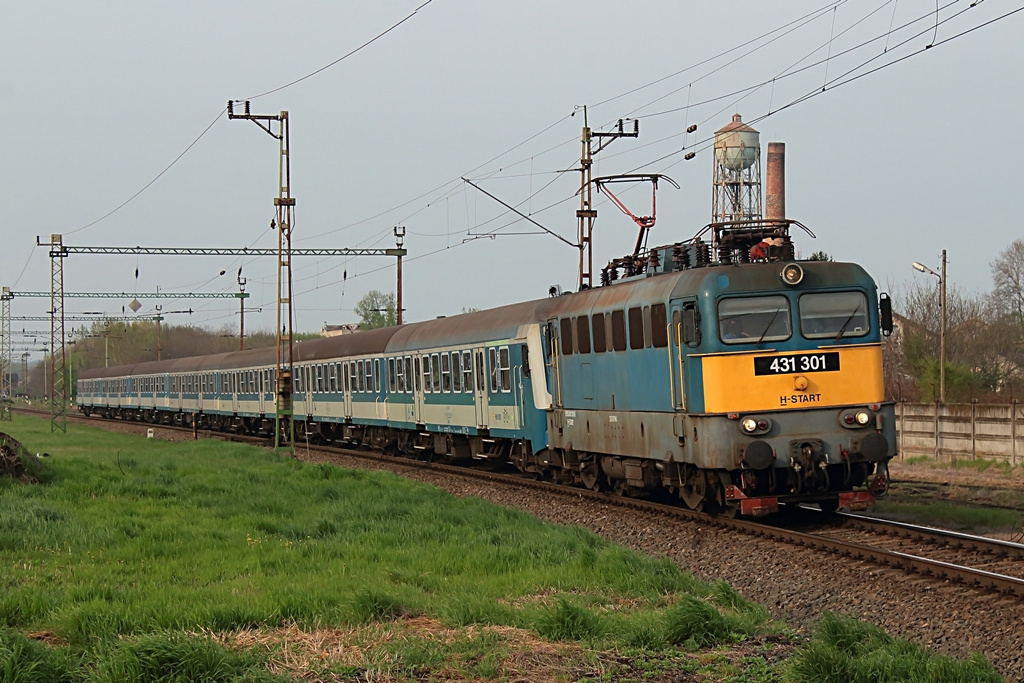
x: 981, y: 356
x: 376, y: 309
x: 820, y: 256
x: 1008, y: 279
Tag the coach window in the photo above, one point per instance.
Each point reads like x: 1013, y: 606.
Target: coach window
x: 446, y: 373
x: 360, y: 376
x: 467, y: 370
x: 647, y: 327
x: 824, y: 316
x: 376, y: 375
x: 332, y: 378
x: 636, y: 328
x: 618, y: 331
x: 392, y: 376
x: 754, y: 319
x: 659, y: 326
x: 566, y: 325
x: 408, y: 374
x: 435, y: 373
x: 492, y: 361
x: 456, y: 372
x: 416, y: 378
x: 600, y: 345
x: 582, y: 334
x: 506, y: 369
x: 252, y: 381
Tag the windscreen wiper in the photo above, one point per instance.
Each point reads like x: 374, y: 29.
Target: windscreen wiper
x: 774, y: 316
x: 843, y: 328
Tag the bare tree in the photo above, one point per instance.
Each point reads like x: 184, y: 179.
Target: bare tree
x: 977, y: 363
x: 1008, y: 279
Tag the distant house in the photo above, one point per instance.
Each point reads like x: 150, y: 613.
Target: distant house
x: 335, y: 330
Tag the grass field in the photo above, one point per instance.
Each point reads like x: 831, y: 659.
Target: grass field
x: 136, y: 559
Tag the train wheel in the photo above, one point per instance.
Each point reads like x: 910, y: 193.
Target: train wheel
x: 829, y: 506
x: 590, y: 474
x: 694, y: 491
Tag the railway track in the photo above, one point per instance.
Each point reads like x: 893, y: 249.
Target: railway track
x: 933, y: 554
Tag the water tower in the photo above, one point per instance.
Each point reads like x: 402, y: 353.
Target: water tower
x: 737, y: 173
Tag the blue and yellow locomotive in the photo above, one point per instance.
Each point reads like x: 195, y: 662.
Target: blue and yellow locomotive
x: 734, y: 384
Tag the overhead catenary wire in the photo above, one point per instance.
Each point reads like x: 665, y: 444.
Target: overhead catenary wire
x: 533, y: 194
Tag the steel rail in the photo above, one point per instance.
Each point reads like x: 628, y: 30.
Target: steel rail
x: 952, y: 539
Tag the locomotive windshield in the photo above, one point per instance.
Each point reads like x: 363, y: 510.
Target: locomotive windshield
x: 754, y: 319
x: 834, y: 315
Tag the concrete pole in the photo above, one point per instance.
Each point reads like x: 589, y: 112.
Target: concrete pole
x: 942, y: 331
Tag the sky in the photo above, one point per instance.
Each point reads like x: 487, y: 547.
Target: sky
x: 115, y: 134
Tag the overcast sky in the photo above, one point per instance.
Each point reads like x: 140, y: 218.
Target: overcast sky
x: 101, y: 97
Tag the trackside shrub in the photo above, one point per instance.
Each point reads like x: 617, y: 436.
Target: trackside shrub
x: 172, y: 658
x: 27, y: 661
x: 844, y: 650
x: 693, y: 619
x: 568, y: 621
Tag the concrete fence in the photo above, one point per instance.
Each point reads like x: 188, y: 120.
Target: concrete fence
x: 961, y: 431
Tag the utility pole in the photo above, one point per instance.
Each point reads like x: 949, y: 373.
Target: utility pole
x: 942, y: 331
x: 587, y: 214
x: 284, y: 428
x: 942, y: 320
x: 399, y: 238
x: 157, y: 320
x: 241, y: 311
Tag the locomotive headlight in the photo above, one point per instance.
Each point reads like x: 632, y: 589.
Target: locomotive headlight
x: 792, y: 274
x: 863, y: 417
x: 749, y: 425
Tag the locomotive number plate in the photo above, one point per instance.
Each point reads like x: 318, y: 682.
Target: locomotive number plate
x: 802, y: 362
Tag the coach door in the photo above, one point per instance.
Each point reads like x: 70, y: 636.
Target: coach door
x: 683, y: 335
x: 261, y: 389
x: 232, y: 378
x: 480, y: 388
x: 308, y: 386
x: 417, y: 389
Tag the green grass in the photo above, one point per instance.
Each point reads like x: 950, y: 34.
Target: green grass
x: 137, y: 555
x: 955, y: 516
x: 1003, y: 467
x: 848, y: 651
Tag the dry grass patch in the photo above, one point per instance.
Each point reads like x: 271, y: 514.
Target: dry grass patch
x: 374, y: 652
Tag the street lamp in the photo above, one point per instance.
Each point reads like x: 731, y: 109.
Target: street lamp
x: 942, y: 325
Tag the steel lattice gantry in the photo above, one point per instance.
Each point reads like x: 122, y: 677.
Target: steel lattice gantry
x: 58, y: 368
x: 6, y: 355
x: 125, y: 295
x: 59, y: 251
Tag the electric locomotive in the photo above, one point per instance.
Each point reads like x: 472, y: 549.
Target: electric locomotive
x: 735, y: 386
